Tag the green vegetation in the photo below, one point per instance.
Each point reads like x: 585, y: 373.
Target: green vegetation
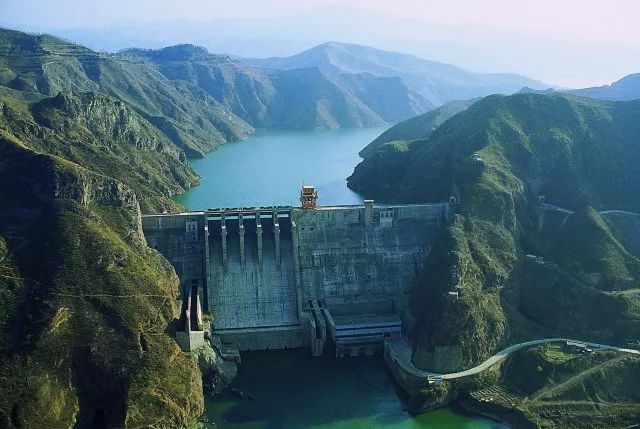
x: 190, y: 118
x: 86, y: 308
x: 497, y: 158
x: 416, y: 128
x: 554, y: 388
x: 304, y: 98
x: 102, y: 134
x: 84, y: 304
x: 626, y: 229
x: 555, y: 353
x: 603, y: 262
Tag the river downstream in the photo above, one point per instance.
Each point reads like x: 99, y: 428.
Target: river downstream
x: 290, y: 388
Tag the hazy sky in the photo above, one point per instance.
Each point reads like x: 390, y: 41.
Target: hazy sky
x: 563, y: 42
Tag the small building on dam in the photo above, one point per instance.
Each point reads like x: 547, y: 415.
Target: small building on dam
x: 288, y: 277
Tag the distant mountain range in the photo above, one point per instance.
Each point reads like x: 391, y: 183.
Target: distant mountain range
x: 199, y: 100
x: 437, y: 82
x: 627, y: 88
x: 300, y: 98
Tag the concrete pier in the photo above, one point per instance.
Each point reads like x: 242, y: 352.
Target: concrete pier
x: 296, y: 267
x: 276, y: 236
x: 319, y: 336
x: 241, y: 235
x: 207, y: 257
x: 368, y: 212
x: 259, y: 236
x: 223, y: 234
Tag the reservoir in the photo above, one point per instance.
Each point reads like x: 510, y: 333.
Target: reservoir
x: 290, y: 388
x: 270, y: 166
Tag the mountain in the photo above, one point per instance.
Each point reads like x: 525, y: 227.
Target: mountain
x: 102, y: 134
x: 498, y: 157
x: 190, y: 118
x: 543, y: 242
x: 418, y: 127
x: 437, y: 82
x: 302, y: 98
x: 85, y: 305
x: 87, y: 310
x: 627, y: 88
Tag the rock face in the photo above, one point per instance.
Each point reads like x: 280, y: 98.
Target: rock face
x: 300, y: 98
x: 498, y: 158
x: 85, y: 306
x: 217, y: 373
x: 184, y: 114
x: 104, y: 135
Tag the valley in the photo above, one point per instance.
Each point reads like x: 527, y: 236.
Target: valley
x: 343, y: 237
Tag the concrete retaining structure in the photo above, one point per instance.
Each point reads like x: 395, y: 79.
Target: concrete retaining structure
x: 268, y: 338
x: 273, y: 276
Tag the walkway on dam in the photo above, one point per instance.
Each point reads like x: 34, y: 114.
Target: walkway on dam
x: 401, y: 351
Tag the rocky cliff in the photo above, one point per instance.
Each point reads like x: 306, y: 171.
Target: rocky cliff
x: 103, y: 134
x: 300, y: 98
x: 85, y: 306
x: 185, y: 114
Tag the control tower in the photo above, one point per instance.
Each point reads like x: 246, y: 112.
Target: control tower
x: 308, y: 197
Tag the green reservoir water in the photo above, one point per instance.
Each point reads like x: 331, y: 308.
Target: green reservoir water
x: 290, y: 388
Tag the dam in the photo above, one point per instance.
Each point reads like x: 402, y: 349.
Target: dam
x: 291, y: 277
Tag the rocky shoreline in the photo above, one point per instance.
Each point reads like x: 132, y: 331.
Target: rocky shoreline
x: 508, y: 416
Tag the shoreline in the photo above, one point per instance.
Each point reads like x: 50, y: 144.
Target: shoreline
x: 507, y: 416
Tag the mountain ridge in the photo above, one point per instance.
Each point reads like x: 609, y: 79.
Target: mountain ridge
x: 438, y: 82
x: 304, y: 97
x: 498, y: 158
x: 417, y: 128
x: 186, y: 115
x: 624, y: 89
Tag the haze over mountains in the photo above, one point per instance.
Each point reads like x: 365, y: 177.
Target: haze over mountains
x: 437, y: 82
x: 471, y: 36
x: 200, y: 100
x: 627, y: 88
x: 303, y: 98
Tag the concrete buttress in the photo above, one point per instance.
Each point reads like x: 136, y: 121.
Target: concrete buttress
x: 276, y: 236
x: 241, y: 235
x: 259, y: 236
x: 223, y: 235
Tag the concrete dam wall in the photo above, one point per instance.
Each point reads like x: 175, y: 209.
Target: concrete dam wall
x: 281, y: 277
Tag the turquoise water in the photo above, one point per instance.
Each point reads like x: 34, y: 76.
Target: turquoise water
x: 291, y: 389
x: 269, y: 167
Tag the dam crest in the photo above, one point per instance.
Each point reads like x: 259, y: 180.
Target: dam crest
x: 288, y: 277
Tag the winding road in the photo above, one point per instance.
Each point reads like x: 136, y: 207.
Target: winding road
x: 402, y: 353
x: 548, y: 206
